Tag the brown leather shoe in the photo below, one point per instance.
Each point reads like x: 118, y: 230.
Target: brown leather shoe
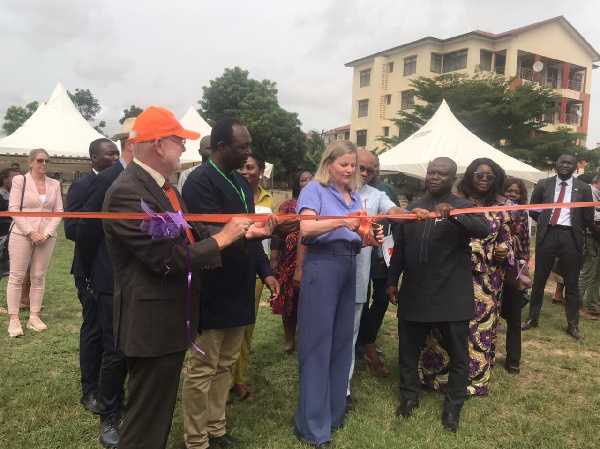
x: 556, y: 300
x: 584, y: 313
x: 573, y: 331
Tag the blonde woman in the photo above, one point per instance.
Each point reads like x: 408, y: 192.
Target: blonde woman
x: 32, y: 238
x: 326, y: 305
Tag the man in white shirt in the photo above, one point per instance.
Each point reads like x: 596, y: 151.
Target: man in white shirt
x: 204, y: 154
x: 560, y: 234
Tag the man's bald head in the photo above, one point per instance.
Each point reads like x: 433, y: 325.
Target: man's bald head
x: 366, y: 164
x: 205, y: 149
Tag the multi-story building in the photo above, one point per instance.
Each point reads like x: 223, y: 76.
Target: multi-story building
x: 551, y: 53
x: 341, y: 133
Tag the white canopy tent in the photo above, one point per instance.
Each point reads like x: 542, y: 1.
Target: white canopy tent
x: 444, y: 135
x: 57, y: 126
x: 194, y: 122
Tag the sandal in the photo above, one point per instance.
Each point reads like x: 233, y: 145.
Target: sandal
x: 247, y: 397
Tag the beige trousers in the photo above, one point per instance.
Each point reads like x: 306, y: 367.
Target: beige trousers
x: 21, y: 252
x: 207, y: 383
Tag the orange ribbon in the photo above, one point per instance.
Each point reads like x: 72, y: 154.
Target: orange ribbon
x: 224, y: 218
x: 367, y: 228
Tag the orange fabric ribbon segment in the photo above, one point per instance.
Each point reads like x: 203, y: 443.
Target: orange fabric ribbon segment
x: 224, y: 218
x: 367, y: 225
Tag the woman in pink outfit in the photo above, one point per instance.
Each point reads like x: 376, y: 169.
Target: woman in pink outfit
x: 32, y: 238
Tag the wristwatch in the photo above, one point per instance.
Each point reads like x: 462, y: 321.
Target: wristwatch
x: 47, y: 235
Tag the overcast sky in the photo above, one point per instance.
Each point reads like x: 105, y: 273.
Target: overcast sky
x: 156, y: 52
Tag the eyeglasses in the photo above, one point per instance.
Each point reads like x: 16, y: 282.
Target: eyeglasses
x: 487, y: 176
x: 369, y: 171
x: 176, y: 140
x: 43, y: 161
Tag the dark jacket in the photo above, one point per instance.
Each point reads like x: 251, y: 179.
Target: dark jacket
x: 434, y: 257
x: 228, y: 291
x: 93, y: 251
x: 76, y: 196
x: 581, y: 217
x: 150, y: 303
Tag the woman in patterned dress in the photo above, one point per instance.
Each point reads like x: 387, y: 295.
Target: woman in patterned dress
x: 285, y: 251
x: 482, y: 183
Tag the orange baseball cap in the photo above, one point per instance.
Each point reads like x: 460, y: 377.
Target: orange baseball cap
x: 157, y: 122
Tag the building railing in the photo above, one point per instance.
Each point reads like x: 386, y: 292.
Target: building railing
x: 526, y: 74
x: 572, y: 119
x: 576, y: 85
x: 500, y: 70
x: 551, y: 82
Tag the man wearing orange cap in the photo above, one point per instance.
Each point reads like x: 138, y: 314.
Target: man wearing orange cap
x: 155, y: 316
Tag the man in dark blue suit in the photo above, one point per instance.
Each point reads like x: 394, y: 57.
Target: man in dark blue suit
x: 103, y: 154
x: 98, y: 271
x: 560, y: 234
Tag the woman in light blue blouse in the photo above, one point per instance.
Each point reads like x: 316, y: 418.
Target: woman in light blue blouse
x: 326, y: 305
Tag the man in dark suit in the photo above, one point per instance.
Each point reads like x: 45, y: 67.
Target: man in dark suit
x: 98, y: 271
x: 560, y: 234
x: 153, y: 300
x: 437, y: 287
x: 103, y: 154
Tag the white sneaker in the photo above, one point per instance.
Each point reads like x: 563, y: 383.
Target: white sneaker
x: 36, y: 324
x: 15, y: 329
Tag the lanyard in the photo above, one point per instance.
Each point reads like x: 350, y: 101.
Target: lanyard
x: 239, y: 191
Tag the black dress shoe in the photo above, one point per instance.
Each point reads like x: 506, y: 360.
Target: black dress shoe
x: 573, y: 331
x: 407, y: 407
x: 109, y: 433
x: 90, y: 403
x: 529, y: 324
x: 349, y: 405
x: 225, y: 440
x: 450, y: 421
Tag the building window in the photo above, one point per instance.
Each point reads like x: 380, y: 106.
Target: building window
x: 436, y: 63
x: 454, y: 61
x: 390, y: 67
x: 361, y: 138
x: 485, y: 60
x: 386, y: 131
x: 408, y: 99
x: 410, y: 66
x: 365, y: 78
x: 388, y: 99
x: 363, y: 108
x: 448, y: 62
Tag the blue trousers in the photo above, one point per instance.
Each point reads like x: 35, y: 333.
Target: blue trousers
x: 325, y: 327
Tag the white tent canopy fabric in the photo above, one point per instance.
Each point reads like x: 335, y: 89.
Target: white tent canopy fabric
x: 194, y: 122
x: 57, y: 126
x: 444, y: 135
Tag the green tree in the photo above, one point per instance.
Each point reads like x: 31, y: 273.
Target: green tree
x: 85, y: 103
x: 223, y: 97
x: 486, y: 105
x: 276, y: 133
x: 133, y: 111
x: 100, y: 128
x: 315, y: 146
x: 16, y: 115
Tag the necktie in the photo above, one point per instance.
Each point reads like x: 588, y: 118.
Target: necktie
x: 172, y: 195
x: 561, y: 197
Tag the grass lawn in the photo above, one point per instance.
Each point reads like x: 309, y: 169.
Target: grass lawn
x: 554, y: 403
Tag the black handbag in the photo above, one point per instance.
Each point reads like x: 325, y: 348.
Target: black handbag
x: 4, y: 256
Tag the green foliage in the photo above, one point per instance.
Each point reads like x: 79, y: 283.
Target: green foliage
x: 85, y: 103
x: 223, y: 97
x: 314, y: 150
x: 275, y: 132
x: 503, y: 117
x: 133, y: 111
x: 16, y: 115
x: 100, y: 128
